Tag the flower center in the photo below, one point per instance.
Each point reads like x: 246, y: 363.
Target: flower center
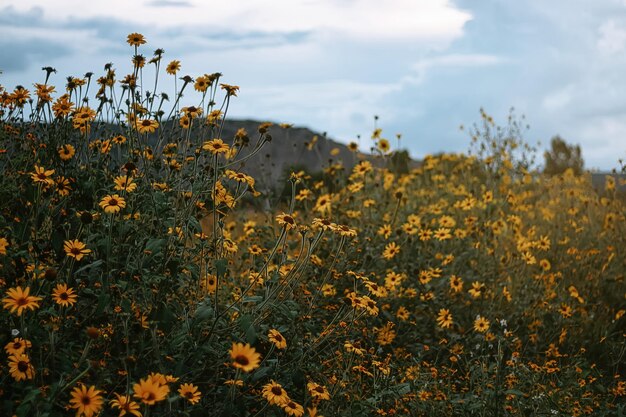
x: 242, y: 360
x: 22, y: 366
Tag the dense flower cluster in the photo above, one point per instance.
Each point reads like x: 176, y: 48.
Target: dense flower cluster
x: 137, y: 277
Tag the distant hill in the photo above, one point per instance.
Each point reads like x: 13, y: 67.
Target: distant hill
x: 290, y: 148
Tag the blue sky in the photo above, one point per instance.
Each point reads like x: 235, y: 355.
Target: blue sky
x: 423, y: 66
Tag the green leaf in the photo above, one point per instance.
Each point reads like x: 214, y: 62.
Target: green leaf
x: 261, y: 373
x: 204, y: 311
x: 155, y: 245
x: 220, y: 267
x: 88, y: 266
x: 103, y: 302
x: 253, y: 299
x: 245, y: 322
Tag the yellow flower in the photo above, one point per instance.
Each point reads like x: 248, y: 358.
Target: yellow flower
x: 190, y: 392
x: 444, y: 319
x: 192, y: 111
x: 17, y: 346
x: 566, y: 311
x: 277, y: 339
x: 456, y: 283
x: 234, y: 382
x: 386, y: 334
x: 481, y: 324
x: 344, y: 230
x: 323, y: 204
x: 126, y: 405
x: 43, y: 92
x: 75, y: 249
x: 3, y: 245
x: 87, y: 402
x: 64, y: 296
x: 402, y: 313
x: 124, y: 183
x: 19, y: 96
x: 202, y: 83
x: 62, y: 106
x: 231, y: 90
x: 20, y: 367
x: 135, y: 39
x: 185, y: 122
x: 112, y: 203
x: 173, y: 67
x: 17, y: 300
x: 293, y: 409
x: 442, y: 233
x: 391, y: 250
x: 318, y: 391
x: 150, y: 390
x: 286, y: 220
x: 476, y: 290
x: 383, y: 145
x: 385, y: 231
x: 66, y: 152
x: 215, y: 146
x: 274, y: 393
x: 313, y: 412
x: 545, y: 264
x: 42, y: 176
x: 146, y: 125
x: 209, y: 283
x: 362, y: 168
x: 244, y: 357
x: 63, y: 186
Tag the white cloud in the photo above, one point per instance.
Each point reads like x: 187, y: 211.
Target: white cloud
x: 361, y: 19
x: 424, y: 66
x: 602, y: 141
x: 558, y: 100
x: 612, y: 37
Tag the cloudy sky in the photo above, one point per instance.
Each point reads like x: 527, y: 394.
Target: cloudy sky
x: 425, y: 67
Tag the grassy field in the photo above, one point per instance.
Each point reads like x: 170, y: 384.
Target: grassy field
x: 142, y: 273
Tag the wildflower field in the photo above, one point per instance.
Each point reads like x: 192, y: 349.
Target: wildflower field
x: 140, y: 275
